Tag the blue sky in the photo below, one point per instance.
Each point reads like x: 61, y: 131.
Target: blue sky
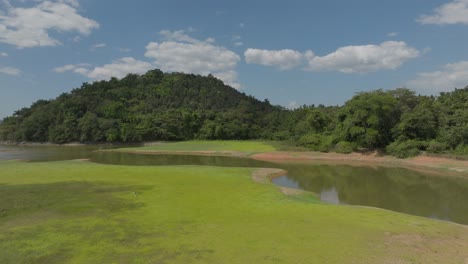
x: 292, y: 53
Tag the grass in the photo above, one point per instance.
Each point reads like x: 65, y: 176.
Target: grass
x: 216, y: 146
x: 79, y: 212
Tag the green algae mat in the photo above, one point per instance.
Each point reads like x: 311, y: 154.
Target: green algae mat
x: 214, y: 146
x: 81, y: 212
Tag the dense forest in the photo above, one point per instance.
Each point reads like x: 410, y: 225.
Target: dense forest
x: 177, y: 106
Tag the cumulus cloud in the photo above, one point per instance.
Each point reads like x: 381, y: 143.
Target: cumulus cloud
x: 362, y: 59
x: 29, y: 27
x: 453, y: 75
x: 10, y: 70
x: 3, y: 54
x: 182, y: 53
x: 118, y: 68
x: 349, y: 59
x: 229, y: 77
x: 178, y: 53
x: 283, y: 59
x: 455, y: 12
x: 392, y: 34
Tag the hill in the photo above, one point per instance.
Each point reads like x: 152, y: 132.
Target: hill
x: 153, y: 106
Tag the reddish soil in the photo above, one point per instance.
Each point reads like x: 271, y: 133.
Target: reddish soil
x: 450, y: 165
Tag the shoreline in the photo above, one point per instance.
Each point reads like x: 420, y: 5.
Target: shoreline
x: 266, y: 176
x: 70, y: 144
x: 428, y: 163
x: 422, y: 162
x: 458, y: 167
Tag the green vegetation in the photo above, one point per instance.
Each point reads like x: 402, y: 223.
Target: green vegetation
x: 216, y: 145
x: 175, y: 107
x: 79, y: 212
x: 153, y: 106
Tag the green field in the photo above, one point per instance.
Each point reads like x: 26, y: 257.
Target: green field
x: 214, y: 146
x: 80, y: 212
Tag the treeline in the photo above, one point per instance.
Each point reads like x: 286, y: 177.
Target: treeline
x: 397, y: 121
x: 176, y: 106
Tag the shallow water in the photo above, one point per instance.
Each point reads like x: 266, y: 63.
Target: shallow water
x: 396, y: 189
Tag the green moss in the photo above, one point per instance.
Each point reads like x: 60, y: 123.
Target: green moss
x: 216, y: 145
x: 77, y: 212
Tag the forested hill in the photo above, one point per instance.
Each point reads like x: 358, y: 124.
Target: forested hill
x: 176, y: 106
x: 153, y: 106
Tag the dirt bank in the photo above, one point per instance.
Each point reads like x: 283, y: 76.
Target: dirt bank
x: 451, y: 165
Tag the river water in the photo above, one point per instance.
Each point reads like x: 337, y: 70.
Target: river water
x: 397, y: 189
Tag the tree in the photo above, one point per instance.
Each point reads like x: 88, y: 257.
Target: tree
x: 367, y: 119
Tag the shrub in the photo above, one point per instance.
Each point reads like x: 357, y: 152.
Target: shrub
x: 461, y: 150
x: 345, y: 147
x: 316, y: 142
x: 281, y: 135
x: 406, y: 149
x: 436, y: 147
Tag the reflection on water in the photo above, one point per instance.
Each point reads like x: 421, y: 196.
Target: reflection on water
x: 330, y: 196
x: 396, y: 189
x: 46, y: 153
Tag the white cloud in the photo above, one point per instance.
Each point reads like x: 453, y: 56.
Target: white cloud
x: 179, y: 53
x: 178, y: 35
x: 363, y: 59
x: 454, y: 75
x: 455, y: 12
x: 229, y: 77
x: 3, y: 54
x: 236, y: 39
x: 283, y: 59
x: 392, y: 34
x: 73, y: 3
x: 71, y: 67
x: 99, y: 46
x: 118, y: 68
x: 292, y: 105
x: 182, y: 53
x: 10, y: 70
x: 76, y: 39
x: 29, y: 27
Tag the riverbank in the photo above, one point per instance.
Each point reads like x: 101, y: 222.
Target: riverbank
x: 268, y: 152
x: 263, y: 151
x: 428, y: 162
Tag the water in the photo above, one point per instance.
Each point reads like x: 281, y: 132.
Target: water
x: 396, y: 189
x: 46, y: 153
